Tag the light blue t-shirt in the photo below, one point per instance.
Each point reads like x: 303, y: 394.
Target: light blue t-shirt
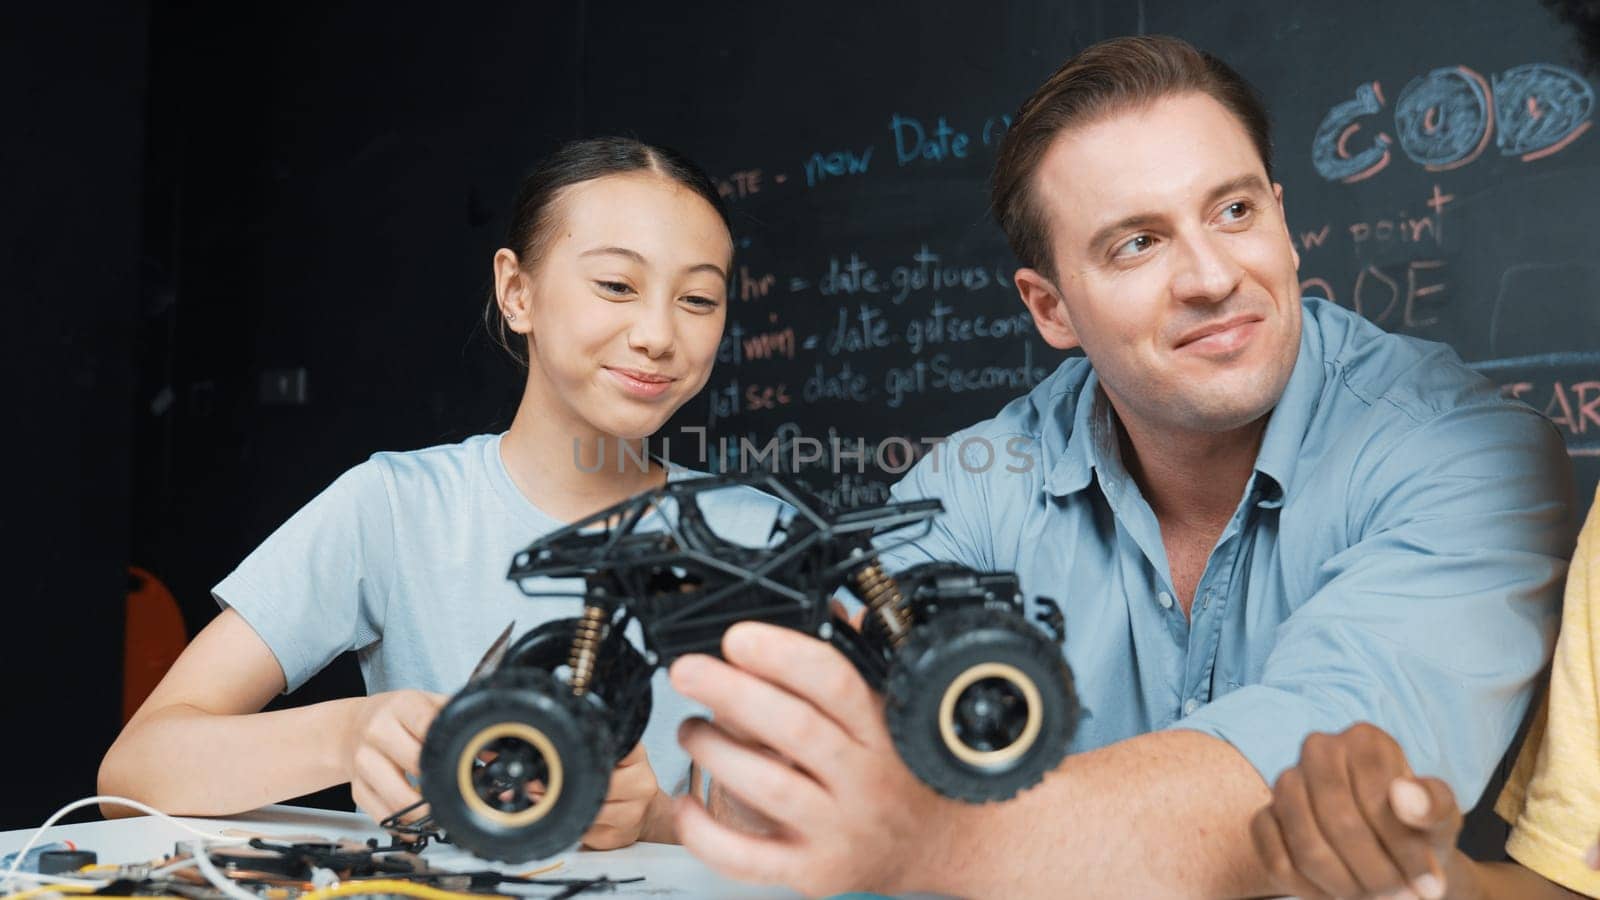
x: 1396, y: 558
x: 403, y: 560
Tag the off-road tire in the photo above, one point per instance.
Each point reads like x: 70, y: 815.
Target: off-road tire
x: 998, y: 653
x: 524, y: 706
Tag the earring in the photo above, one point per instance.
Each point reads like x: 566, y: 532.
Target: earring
x: 510, y: 315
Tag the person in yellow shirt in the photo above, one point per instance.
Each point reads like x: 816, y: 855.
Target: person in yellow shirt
x: 1353, y: 820
x: 1552, y: 799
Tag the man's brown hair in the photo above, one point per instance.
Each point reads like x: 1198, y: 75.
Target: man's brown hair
x: 1106, y: 78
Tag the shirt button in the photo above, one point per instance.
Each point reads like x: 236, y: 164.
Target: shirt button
x: 1165, y: 599
x: 1190, y: 705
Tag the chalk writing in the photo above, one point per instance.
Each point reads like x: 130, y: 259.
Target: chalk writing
x: 1541, y: 109
x: 1330, y: 149
x: 1565, y: 386
x: 844, y: 162
x: 1401, y: 228
x: 940, y: 374
x: 758, y: 397
x: 926, y: 271
x: 1573, y: 405
x: 789, y: 451
x: 865, y: 330
x: 738, y: 396
x: 740, y: 345
x: 1405, y: 228
x: 850, y: 490
x: 722, y: 402
x: 843, y: 383
x: 1404, y: 296
x: 769, y: 344
x: 913, y: 142
x: 1397, y: 294
x: 740, y: 185
x: 1310, y: 240
x: 852, y: 277
x: 1445, y: 119
x: 994, y: 128
x: 753, y: 287
x: 942, y: 326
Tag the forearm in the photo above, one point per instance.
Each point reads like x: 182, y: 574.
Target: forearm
x: 186, y: 761
x: 1469, y: 880
x: 1164, y: 814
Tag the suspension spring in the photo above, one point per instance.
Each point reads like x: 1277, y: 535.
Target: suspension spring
x: 586, y: 647
x: 881, y: 593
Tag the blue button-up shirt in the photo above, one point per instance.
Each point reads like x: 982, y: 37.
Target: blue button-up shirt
x: 1396, y: 557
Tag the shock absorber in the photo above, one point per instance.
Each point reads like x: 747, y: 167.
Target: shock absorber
x: 881, y: 593
x: 586, y: 647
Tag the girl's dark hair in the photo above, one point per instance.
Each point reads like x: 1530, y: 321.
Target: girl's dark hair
x: 533, y: 220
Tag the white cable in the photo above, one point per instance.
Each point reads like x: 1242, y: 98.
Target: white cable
x: 99, y: 798
x: 26, y: 880
x: 218, y: 880
x: 178, y: 866
x: 62, y: 879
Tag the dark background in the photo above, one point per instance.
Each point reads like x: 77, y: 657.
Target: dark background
x: 205, y: 210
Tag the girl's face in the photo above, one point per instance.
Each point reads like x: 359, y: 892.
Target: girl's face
x: 625, y: 307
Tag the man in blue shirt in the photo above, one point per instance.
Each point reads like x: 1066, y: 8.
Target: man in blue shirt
x: 1263, y: 517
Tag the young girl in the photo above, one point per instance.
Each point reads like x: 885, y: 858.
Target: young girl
x: 613, y: 287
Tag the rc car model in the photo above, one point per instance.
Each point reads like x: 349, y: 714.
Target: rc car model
x: 978, y: 699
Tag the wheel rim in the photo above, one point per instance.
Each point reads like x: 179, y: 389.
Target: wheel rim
x: 979, y: 716
x: 521, y: 751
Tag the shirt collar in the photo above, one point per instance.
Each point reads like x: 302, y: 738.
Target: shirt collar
x: 1092, y: 442
x: 1284, y: 440
x: 1093, y: 434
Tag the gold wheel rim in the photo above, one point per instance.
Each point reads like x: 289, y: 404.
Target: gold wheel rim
x: 990, y: 759
x: 541, y: 743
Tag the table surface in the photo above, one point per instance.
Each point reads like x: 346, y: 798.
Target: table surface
x: 668, y: 869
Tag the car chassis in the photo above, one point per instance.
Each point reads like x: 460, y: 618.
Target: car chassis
x: 979, y: 701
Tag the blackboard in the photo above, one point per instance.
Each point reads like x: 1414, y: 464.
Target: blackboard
x: 1440, y: 171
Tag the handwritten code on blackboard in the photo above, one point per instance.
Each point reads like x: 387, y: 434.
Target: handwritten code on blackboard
x: 1439, y: 162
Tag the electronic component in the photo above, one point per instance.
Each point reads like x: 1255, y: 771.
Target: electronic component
x: 57, y: 862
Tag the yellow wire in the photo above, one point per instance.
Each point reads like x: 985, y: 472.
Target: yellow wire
x: 48, y: 889
x: 409, y: 889
x: 390, y: 886
x: 51, y: 889
x: 74, y: 889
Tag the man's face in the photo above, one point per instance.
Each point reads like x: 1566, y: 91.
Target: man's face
x: 1175, y: 269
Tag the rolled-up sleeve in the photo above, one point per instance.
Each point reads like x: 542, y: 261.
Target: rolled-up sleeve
x: 1435, y: 619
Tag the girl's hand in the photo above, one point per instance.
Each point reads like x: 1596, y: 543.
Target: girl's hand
x: 382, y: 744
x: 635, y: 807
